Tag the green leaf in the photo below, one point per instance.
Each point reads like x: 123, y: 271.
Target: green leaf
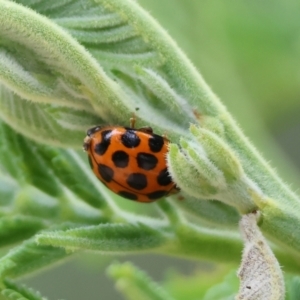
x: 206, y: 167
x: 212, y: 212
x: 219, y: 154
x: 131, y: 48
x: 57, y: 71
x: 20, y: 292
x: 11, y: 294
x: 113, y: 238
x: 36, y: 121
x: 19, y: 158
x: 225, y: 290
x: 65, y: 164
x: 34, y: 203
x: 52, y: 88
x: 51, y: 171
x: 293, y: 287
x: 205, y: 243
x: 199, y: 282
x: 8, y: 190
x: 29, y: 257
x: 18, y: 228
x: 135, y: 284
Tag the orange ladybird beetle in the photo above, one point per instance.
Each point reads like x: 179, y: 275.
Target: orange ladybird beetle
x: 130, y: 162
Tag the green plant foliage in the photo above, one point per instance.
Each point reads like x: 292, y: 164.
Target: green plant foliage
x: 205, y: 283
x: 293, y: 287
x: 135, y: 284
x: 28, y: 257
x: 118, y: 238
x: 225, y: 290
x: 20, y: 292
x: 212, y: 284
x: 67, y: 65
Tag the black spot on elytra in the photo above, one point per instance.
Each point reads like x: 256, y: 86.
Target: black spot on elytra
x: 101, y: 147
x: 106, y: 172
x: 137, y: 181
x: 146, y: 161
x: 164, y: 178
x: 120, y: 159
x: 157, y: 195
x: 156, y: 143
x: 128, y: 195
x: 93, y: 130
x: 130, y: 139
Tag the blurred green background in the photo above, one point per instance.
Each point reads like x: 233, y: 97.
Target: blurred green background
x: 249, y: 53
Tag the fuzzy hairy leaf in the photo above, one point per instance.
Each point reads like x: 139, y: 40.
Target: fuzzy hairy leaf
x: 18, y: 228
x: 67, y: 65
x: 113, y: 238
x: 213, y: 212
x: 29, y: 257
x: 260, y: 273
x: 46, y: 181
x: 20, y: 160
x: 61, y: 72
x: 20, y: 292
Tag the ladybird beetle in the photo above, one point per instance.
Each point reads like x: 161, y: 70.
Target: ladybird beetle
x: 130, y: 162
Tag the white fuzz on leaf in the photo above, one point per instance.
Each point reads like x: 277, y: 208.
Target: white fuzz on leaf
x: 260, y: 273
